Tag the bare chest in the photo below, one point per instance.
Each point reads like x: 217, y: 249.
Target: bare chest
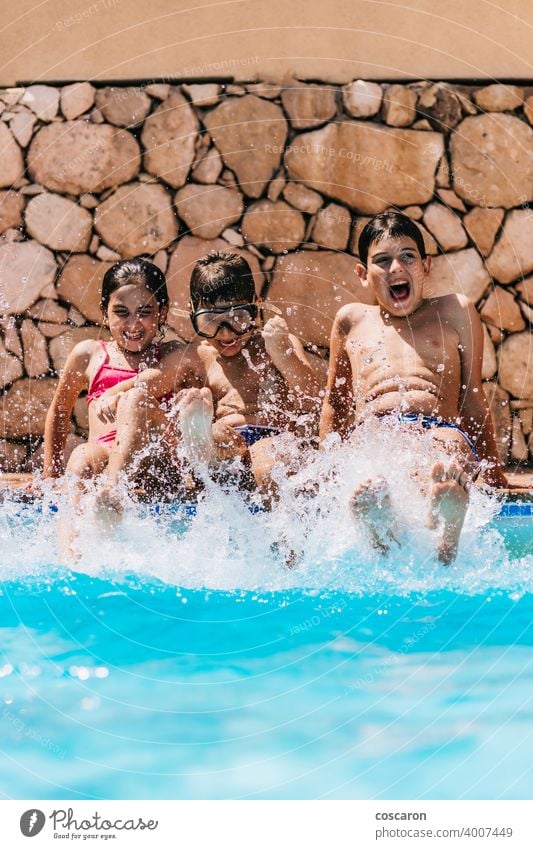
x: 246, y: 385
x: 403, y: 347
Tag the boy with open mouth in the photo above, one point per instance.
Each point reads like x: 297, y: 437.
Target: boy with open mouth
x: 419, y: 360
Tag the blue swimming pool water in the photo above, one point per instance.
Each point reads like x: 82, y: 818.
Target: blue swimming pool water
x: 179, y: 660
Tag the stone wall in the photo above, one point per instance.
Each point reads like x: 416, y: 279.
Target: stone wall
x: 289, y: 175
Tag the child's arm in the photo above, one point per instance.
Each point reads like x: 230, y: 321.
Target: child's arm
x: 73, y: 379
x: 475, y: 414
x: 289, y: 357
x: 338, y: 405
x: 229, y: 406
x: 174, y: 373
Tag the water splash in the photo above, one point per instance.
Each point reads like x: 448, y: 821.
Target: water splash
x: 227, y: 546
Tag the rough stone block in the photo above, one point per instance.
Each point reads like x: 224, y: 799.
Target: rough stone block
x: 365, y: 166
x: 208, y: 210
x: 137, y: 219
x: 26, y: 271
x: 76, y: 157
x: 169, y: 137
x: 310, y: 287
x: 250, y: 133
x: 491, y: 160
x: 277, y: 227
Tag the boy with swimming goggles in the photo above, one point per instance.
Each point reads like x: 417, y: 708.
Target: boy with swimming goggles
x: 261, y: 379
x: 417, y: 360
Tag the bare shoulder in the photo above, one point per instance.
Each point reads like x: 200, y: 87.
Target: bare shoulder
x: 181, y: 356
x: 351, y: 314
x: 174, y: 345
x: 82, y: 354
x: 457, y: 309
x: 172, y: 350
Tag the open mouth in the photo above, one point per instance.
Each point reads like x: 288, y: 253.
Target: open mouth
x: 133, y: 337
x: 400, y: 291
x: 229, y: 344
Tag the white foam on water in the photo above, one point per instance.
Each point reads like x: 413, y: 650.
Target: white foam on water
x: 226, y: 546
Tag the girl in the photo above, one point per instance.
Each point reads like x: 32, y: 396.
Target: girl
x: 130, y: 381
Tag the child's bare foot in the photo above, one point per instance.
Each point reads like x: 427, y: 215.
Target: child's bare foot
x: 109, y: 506
x: 449, y: 502
x: 371, y: 504
x: 66, y: 538
x: 196, y: 418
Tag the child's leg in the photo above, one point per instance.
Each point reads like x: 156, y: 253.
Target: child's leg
x: 449, y: 490
x: 371, y: 504
x: 196, y: 426
x: 287, y: 448
x: 87, y: 461
x: 228, y: 441
x: 206, y: 441
x: 449, y: 503
x: 208, y: 444
x: 139, y: 419
x: 263, y: 456
x: 266, y: 453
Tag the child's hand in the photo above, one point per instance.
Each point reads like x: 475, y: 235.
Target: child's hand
x: 106, y: 406
x: 276, y: 336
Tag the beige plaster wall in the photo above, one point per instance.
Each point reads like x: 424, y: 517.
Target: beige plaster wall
x: 335, y: 41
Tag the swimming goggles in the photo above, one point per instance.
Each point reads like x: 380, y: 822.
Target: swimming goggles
x: 240, y: 319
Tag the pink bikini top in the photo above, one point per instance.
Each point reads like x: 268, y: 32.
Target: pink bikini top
x: 108, y: 376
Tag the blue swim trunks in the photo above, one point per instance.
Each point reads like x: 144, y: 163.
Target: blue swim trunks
x: 253, y: 433
x: 433, y: 421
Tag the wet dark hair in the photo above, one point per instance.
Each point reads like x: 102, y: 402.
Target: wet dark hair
x: 221, y: 277
x: 393, y: 224
x: 137, y: 270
